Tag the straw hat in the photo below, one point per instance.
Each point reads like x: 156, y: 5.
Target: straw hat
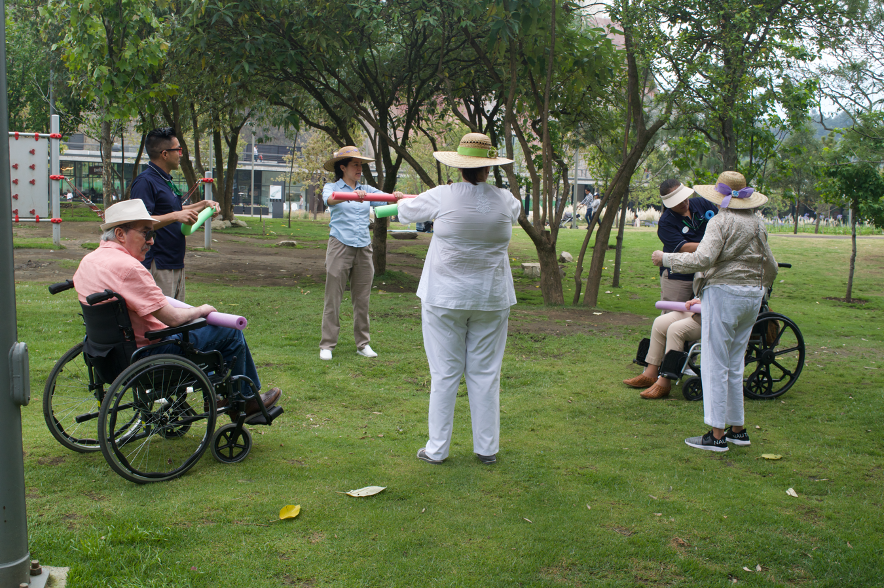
x: 731, y: 192
x: 677, y: 196
x: 124, y: 212
x: 475, y: 150
x: 348, y: 151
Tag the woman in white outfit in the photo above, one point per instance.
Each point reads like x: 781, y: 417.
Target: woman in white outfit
x: 739, y: 267
x: 466, y: 290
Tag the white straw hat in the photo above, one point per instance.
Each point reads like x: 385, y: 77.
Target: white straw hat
x: 348, y: 151
x: 677, y: 196
x: 124, y: 212
x: 731, y: 192
x: 475, y: 150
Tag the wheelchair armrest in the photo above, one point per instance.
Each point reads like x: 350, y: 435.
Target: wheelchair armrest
x: 169, y: 331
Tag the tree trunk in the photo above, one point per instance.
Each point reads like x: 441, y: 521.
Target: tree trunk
x: 620, y: 230
x: 173, y: 117
x: 853, y: 214
x: 797, y: 204
x: 600, y: 250
x: 816, y: 228
x: 135, y: 167
x: 107, y: 170
x: 379, y: 245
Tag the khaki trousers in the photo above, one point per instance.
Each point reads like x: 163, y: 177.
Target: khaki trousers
x: 670, y: 331
x: 675, y: 290
x: 343, y: 263
x: 171, y: 282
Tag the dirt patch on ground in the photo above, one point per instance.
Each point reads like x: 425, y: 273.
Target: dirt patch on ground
x: 546, y: 321
x: 237, y: 259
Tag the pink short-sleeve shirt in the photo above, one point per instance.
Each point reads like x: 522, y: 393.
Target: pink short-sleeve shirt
x: 112, y: 267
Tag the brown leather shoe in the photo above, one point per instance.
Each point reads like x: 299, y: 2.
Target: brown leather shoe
x: 640, y: 381
x: 269, y: 398
x: 655, y: 391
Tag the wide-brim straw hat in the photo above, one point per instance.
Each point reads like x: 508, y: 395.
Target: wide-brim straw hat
x: 677, y: 196
x: 346, y: 152
x: 124, y: 212
x: 475, y: 150
x: 731, y: 192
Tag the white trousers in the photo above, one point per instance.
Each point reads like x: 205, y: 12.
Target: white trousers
x: 467, y: 343
x: 728, y: 315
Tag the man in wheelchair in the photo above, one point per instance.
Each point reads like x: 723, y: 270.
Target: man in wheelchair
x: 116, y: 265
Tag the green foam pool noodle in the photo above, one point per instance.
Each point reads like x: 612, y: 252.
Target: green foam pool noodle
x: 205, y: 214
x: 385, y: 211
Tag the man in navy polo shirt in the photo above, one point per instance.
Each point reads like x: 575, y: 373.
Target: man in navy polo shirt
x: 162, y: 198
x: 681, y: 228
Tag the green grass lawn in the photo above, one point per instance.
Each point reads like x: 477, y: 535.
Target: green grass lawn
x: 593, y: 486
x: 35, y: 243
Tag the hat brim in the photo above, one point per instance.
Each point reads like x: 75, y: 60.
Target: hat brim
x: 117, y: 223
x: 330, y: 164
x: 676, y: 197
x: 709, y: 192
x: 455, y: 159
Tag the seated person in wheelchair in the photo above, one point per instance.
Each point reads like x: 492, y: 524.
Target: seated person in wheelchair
x: 669, y: 333
x: 116, y: 265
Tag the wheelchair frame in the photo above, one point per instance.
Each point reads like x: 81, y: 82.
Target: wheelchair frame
x: 147, y: 427
x: 768, y: 379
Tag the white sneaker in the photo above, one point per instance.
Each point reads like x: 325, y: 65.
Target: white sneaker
x: 366, y: 352
x: 325, y: 354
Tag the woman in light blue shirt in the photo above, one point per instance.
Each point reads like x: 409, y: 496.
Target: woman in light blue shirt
x: 349, y: 253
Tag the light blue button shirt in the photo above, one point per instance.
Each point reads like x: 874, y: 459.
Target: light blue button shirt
x: 349, y: 220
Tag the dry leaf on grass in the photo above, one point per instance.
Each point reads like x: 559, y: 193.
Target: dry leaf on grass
x: 289, y: 511
x: 745, y: 569
x: 771, y: 456
x: 757, y: 567
x: 367, y: 491
x: 791, y: 492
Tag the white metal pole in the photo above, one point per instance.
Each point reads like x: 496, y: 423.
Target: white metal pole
x: 54, y: 185
x: 252, y: 191
x: 208, y: 223
x: 575, y: 194
x: 209, y: 174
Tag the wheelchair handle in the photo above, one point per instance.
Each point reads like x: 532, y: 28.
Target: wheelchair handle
x: 94, y: 299
x: 61, y: 287
x: 784, y: 265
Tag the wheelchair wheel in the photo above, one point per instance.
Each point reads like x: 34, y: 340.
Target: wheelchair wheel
x: 692, y: 389
x: 774, y: 357
x: 69, y: 407
x: 148, y: 428
x: 227, y: 449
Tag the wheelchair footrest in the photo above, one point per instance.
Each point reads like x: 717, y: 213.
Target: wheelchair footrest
x: 258, y: 418
x: 643, y: 346
x: 673, y: 364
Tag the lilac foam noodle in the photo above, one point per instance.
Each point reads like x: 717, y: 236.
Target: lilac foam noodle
x: 677, y: 306
x: 217, y: 319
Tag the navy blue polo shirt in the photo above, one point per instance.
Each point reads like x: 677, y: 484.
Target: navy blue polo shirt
x: 674, y: 230
x: 153, y: 186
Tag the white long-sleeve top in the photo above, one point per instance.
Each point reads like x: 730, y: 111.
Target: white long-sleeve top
x: 467, y: 265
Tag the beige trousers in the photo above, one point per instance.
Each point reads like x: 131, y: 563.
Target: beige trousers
x: 171, y: 282
x: 670, y: 331
x: 343, y: 263
x: 675, y: 290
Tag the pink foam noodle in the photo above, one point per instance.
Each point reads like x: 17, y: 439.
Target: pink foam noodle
x: 218, y: 319
x: 677, y: 306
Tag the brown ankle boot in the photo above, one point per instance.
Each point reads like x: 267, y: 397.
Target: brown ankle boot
x: 655, y: 391
x: 640, y: 381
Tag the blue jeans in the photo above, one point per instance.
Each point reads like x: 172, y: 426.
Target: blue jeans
x: 230, y: 342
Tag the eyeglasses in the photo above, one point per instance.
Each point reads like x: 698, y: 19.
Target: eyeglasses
x: 148, y: 234
x: 180, y: 150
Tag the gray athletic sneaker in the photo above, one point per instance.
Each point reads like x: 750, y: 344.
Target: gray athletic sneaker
x: 741, y: 438
x: 707, y: 442
x: 487, y: 459
x: 422, y: 454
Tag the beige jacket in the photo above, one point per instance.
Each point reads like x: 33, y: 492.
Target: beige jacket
x: 733, y: 251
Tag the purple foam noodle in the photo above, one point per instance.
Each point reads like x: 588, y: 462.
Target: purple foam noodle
x: 218, y: 319
x: 677, y: 306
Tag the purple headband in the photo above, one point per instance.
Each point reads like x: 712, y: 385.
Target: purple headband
x: 729, y: 193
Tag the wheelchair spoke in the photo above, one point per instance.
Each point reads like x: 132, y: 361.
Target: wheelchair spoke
x: 67, y: 396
